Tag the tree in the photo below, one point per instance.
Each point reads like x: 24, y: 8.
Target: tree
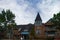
x: 7, y: 21
x: 32, y: 31
x: 56, y: 20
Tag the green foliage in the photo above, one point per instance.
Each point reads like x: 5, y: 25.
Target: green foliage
x: 56, y: 20
x: 6, y: 20
x: 9, y: 15
x: 32, y: 32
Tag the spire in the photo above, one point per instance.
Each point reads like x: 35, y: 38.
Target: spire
x: 38, y: 17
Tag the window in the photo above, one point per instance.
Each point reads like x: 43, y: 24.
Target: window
x: 50, y: 28
x: 38, y: 31
x: 50, y: 33
x: 25, y: 30
x: 38, y: 23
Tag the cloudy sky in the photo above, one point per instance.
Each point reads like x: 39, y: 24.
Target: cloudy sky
x: 26, y: 10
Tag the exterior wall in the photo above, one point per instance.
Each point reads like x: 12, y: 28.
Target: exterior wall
x: 10, y: 39
x: 42, y: 32
x: 57, y: 36
x: 16, y: 34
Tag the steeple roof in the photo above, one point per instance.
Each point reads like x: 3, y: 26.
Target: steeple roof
x: 38, y: 17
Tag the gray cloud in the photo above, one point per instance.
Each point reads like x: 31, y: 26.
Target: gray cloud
x: 48, y: 8
x: 26, y: 10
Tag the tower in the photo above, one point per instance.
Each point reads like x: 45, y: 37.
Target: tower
x: 38, y: 23
x: 38, y: 20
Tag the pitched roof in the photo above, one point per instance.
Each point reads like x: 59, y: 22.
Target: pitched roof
x: 38, y: 17
x: 49, y: 22
x: 25, y: 27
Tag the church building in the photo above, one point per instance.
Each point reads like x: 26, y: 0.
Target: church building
x: 39, y: 27
x: 42, y: 31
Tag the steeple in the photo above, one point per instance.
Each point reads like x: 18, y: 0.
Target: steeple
x: 38, y: 23
x: 38, y: 18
